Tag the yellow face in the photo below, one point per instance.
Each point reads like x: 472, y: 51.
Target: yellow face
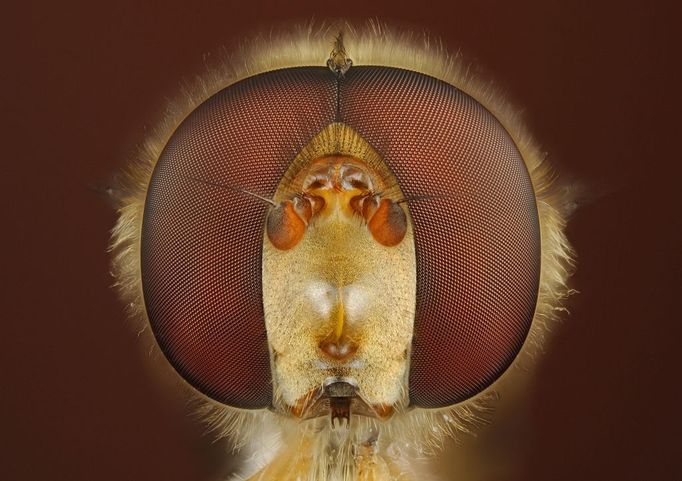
x: 339, y: 276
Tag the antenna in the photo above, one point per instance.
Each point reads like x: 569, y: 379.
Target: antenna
x: 236, y: 189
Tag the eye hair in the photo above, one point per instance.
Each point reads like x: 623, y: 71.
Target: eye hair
x: 235, y: 189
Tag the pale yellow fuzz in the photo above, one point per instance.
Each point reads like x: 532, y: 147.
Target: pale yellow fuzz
x: 285, y: 449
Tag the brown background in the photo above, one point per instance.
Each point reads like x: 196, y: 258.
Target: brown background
x: 82, y: 84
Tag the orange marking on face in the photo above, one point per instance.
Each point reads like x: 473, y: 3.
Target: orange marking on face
x: 388, y: 225
x: 365, y: 205
x: 303, y: 208
x: 285, y: 227
x: 302, y: 403
x: 384, y: 411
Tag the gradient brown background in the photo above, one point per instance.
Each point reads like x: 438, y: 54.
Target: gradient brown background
x: 83, y: 83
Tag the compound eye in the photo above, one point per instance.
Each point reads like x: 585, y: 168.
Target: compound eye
x: 477, y: 240
x: 201, y: 245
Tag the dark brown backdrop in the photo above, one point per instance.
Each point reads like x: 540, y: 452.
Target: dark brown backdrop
x: 81, y: 84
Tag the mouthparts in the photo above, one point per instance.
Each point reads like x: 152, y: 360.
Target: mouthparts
x: 339, y: 396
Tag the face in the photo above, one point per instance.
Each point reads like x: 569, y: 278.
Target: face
x: 303, y: 296
x: 339, y: 281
